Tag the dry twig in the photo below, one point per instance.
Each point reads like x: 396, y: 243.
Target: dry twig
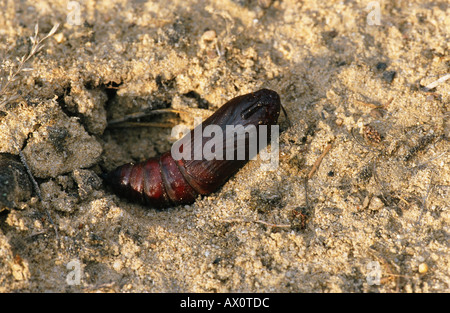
x: 318, y: 161
x: 14, y: 73
x: 437, y: 82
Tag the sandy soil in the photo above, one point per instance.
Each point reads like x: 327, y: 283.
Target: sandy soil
x: 375, y: 217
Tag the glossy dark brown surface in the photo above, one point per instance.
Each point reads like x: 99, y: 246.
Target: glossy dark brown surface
x: 163, y: 181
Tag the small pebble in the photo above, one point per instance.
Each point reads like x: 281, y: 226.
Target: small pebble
x: 59, y: 37
x: 381, y: 66
x: 209, y: 35
x: 15, y: 185
x: 376, y: 204
x: 389, y: 76
x: 423, y: 268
